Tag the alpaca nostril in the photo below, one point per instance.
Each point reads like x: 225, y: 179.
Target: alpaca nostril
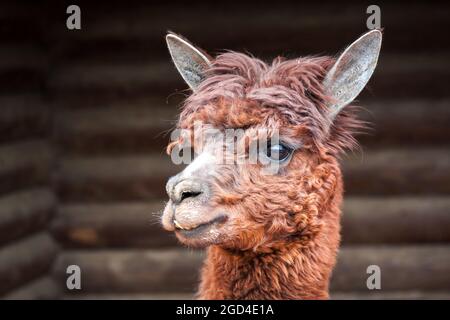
x: 185, y: 189
x: 189, y: 194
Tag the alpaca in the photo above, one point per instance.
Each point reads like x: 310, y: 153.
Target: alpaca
x: 267, y: 236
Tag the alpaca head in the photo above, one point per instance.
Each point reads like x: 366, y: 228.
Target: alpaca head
x: 265, y: 139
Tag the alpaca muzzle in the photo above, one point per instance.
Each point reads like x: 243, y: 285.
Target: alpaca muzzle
x: 188, y: 213
x: 187, y: 198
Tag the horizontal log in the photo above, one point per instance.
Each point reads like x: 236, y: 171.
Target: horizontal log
x: 21, y: 79
x: 396, y: 220
x: 133, y: 270
x: 398, y: 171
x: 112, y: 225
x: 403, y: 268
x: 139, y: 129
x: 22, y: 56
x: 378, y: 172
x: 397, y: 76
x: 25, y: 212
x: 118, y: 179
x: 122, y: 119
x: 136, y: 224
x: 121, y: 79
x: 23, y: 116
x: 115, y: 131
x: 43, y: 288
x: 73, y: 295
x: 114, y: 101
x: 406, y: 122
x: 26, y: 260
x: 22, y: 65
x: 24, y: 164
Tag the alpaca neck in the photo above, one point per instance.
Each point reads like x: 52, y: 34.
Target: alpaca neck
x: 291, y: 272
x: 294, y: 268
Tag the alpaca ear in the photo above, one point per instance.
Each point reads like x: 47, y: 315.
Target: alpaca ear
x: 352, y: 71
x: 190, y: 61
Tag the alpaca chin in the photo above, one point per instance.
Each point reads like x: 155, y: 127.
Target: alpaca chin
x: 204, y: 235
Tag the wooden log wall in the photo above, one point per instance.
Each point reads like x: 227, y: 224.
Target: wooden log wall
x: 27, y: 201
x: 115, y: 85
x: 115, y: 95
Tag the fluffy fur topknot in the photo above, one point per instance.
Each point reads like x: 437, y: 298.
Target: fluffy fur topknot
x: 289, y: 90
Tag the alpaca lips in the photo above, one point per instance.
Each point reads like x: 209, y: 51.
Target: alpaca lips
x: 196, y: 231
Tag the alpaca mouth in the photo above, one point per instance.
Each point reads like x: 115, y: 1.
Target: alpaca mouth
x: 190, y: 232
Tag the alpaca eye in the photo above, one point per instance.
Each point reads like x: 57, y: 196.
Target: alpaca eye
x: 278, y: 152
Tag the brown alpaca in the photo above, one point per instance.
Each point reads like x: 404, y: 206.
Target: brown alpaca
x: 268, y: 236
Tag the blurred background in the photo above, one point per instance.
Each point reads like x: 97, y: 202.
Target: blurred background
x: 84, y: 117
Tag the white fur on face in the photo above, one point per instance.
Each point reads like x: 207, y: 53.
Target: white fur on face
x: 201, y: 166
